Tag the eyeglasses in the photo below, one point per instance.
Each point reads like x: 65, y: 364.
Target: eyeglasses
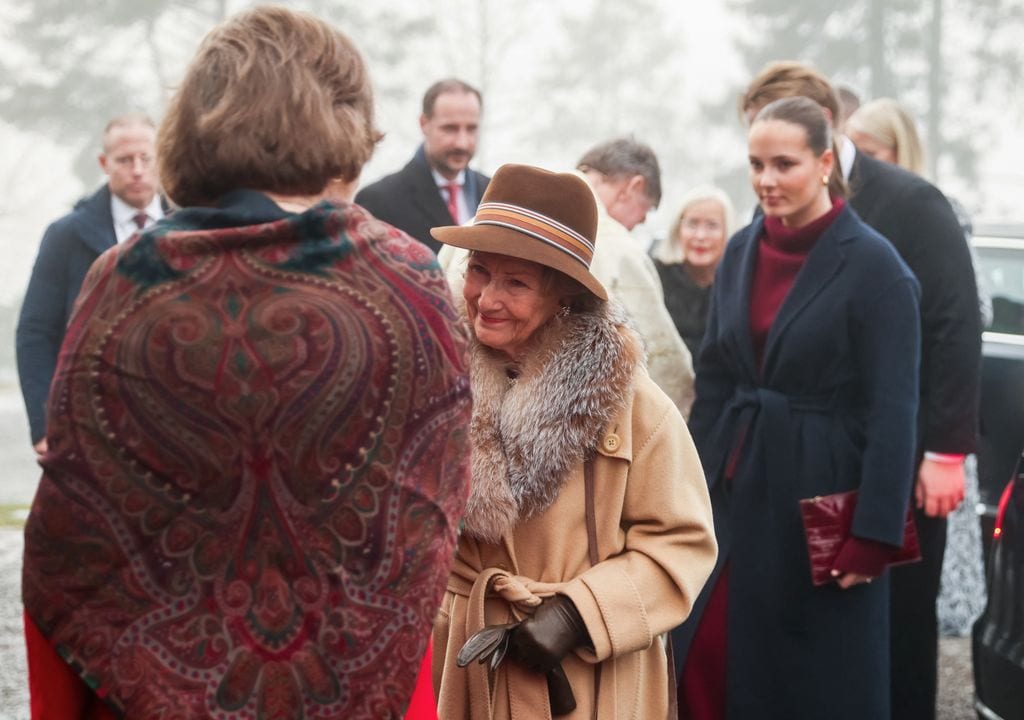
x: 708, y: 226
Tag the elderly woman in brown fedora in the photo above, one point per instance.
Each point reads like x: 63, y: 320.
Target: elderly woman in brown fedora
x: 588, y: 522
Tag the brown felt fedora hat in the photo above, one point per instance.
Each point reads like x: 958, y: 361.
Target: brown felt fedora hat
x: 533, y: 214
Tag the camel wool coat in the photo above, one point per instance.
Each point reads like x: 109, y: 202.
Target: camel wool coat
x: 525, y: 533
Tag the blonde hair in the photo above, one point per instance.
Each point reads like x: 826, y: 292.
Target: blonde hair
x: 668, y: 249
x: 889, y: 123
x: 274, y: 100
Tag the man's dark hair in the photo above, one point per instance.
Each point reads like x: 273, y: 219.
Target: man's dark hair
x: 625, y: 157
x: 448, y: 85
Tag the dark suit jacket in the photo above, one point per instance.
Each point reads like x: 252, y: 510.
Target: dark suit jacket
x: 68, y: 249
x: 410, y: 200
x: 918, y: 220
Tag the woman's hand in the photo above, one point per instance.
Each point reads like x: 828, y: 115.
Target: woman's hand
x: 848, y: 580
x: 859, y: 561
x: 552, y: 632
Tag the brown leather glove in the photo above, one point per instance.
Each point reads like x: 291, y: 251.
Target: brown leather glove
x: 553, y: 631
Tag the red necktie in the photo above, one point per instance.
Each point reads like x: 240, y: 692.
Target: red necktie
x: 453, y: 200
x: 140, y: 219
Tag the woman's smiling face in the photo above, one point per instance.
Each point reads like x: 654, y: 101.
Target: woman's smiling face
x: 507, y: 301
x: 702, y: 234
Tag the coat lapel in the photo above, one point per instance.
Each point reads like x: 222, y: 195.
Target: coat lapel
x: 95, y: 223
x: 426, y: 196
x: 821, y: 267
x: 740, y: 298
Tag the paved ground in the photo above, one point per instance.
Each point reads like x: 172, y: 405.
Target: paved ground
x: 956, y: 682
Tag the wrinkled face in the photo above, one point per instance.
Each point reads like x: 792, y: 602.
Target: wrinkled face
x: 129, y: 160
x: 786, y: 174
x: 870, y: 145
x: 450, y: 133
x: 702, y: 234
x: 505, y: 301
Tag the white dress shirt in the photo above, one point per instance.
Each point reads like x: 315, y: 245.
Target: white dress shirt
x: 124, y: 216
x: 442, y: 187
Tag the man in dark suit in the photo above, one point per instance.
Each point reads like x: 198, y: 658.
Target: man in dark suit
x: 919, y: 222
x: 436, y: 187
x: 126, y: 203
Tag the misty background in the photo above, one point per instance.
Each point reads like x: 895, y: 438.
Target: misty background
x: 556, y: 78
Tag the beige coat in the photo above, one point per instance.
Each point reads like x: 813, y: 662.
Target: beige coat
x: 629, y: 276
x: 525, y: 533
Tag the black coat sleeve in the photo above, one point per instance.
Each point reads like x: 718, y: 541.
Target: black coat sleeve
x: 41, y: 324
x: 950, y: 318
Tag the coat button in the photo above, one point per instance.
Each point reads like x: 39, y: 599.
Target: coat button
x: 611, y: 442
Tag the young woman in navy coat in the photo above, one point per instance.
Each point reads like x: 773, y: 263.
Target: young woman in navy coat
x: 806, y: 385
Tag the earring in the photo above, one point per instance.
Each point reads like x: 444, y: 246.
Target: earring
x: 824, y: 179
x: 564, y: 311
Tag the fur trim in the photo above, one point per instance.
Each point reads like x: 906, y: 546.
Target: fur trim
x: 527, y: 433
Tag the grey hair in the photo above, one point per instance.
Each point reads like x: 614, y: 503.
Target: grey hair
x: 448, y: 85
x: 625, y: 157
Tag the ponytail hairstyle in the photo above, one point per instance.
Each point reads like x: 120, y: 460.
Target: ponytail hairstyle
x: 809, y: 115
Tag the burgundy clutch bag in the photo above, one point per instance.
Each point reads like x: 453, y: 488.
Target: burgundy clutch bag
x: 827, y: 521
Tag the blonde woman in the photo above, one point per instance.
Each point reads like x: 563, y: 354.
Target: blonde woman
x: 689, y: 256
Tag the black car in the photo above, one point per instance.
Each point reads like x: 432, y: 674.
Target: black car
x: 999, y: 253
x: 998, y: 635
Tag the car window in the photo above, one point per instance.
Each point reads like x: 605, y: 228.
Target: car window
x: 1002, y: 272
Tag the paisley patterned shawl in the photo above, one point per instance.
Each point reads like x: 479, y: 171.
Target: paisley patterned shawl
x: 257, y: 467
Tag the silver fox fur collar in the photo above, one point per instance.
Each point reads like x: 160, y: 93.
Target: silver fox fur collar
x: 528, y: 433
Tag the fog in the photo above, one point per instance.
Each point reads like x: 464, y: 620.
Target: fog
x: 556, y: 78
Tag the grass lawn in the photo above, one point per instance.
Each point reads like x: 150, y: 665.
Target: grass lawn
x: 13, y: 516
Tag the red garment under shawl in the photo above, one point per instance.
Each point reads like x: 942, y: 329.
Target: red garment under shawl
x: 257, y: 467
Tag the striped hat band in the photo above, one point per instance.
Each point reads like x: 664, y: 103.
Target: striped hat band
x: 538, y: 226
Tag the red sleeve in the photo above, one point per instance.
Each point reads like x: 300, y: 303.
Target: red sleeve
x: 423, y: 705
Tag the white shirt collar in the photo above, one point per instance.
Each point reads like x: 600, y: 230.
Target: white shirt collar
x: 442, y: 181
x: 847, y: 154
x: 465, y: 214
x: 124, y: 215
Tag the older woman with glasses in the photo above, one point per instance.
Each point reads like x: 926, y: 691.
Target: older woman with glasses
x: 689, y: 256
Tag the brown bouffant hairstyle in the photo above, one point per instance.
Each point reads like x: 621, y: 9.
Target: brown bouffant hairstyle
x: 807, y: 114
x: 448, y: 85
x: 785, y: 79
x: 274, y: 100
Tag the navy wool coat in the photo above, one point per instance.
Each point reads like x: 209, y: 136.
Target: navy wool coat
x: 67, y: 251
x: 832, y: 408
